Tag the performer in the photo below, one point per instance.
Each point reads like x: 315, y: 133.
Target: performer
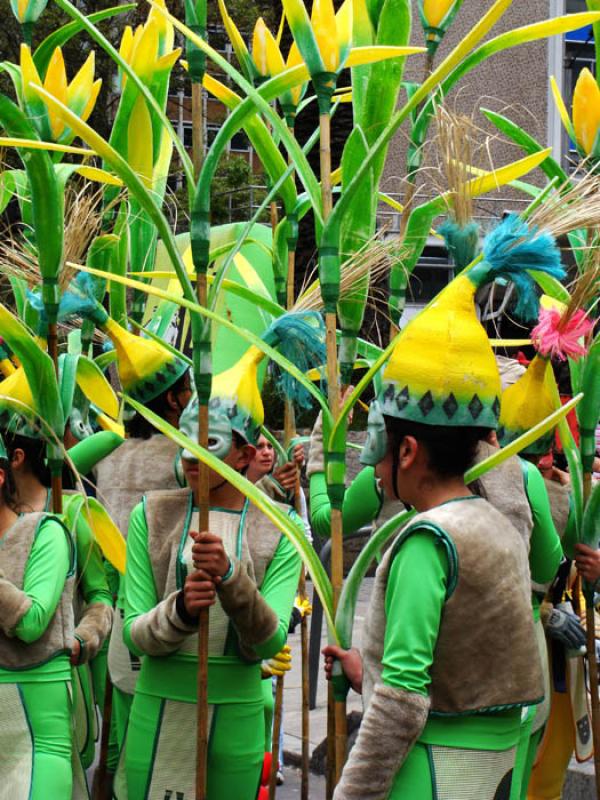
x: 248, y: 574
x: 37, y: 566
x: 26, y: 448
x: 145, y: 461
x: 437, y: 694
x: 243, y: 569
x: 564, y: 719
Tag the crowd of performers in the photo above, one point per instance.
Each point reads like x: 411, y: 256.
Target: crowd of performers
x: 471, y: 668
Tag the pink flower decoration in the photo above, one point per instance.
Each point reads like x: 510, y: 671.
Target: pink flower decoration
x: 555, y: 340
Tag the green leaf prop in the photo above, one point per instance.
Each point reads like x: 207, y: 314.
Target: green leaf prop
x: 59, y: 37
x: 39, y: 370
x: 588, y: 412
x: 273, y: 354
x: 47, y: 204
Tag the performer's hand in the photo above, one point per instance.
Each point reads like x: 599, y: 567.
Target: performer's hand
x: 286, y: 476
x: 198, y: 592
x: 209, y: 554
x: 298, y: 455
x: 75, y: 652
x: 588, y: 562
x: 351, y: 662
x: 279, y: 664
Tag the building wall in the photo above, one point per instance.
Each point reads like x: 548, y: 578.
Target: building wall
x: 514, y: 82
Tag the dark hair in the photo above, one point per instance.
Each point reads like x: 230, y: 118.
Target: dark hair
x: 138, y: 426
x: 450, y: 450
x: 35, y: 454
x: 9, y: 489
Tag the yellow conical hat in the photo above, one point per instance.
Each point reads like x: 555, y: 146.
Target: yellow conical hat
x: 526, y: 403
x: 442, y: 370
x: 145, y: 368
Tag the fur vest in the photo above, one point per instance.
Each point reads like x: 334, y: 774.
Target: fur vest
x: 560, y: 506
x: 485, y: 656
x: 58, y: 637
x: 166, y: 513
x: 136, y: 467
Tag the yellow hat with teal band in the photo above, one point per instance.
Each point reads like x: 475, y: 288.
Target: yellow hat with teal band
x: 146, y: 368
x: 442, y: 370
x: 526, y: 403
x: 235, y: 400
x: 559, y: 334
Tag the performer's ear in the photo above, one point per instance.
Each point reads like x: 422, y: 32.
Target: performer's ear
x: 408, y: 452
x: 17, y: 458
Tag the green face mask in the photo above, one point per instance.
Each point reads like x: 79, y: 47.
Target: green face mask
x: 376, y: 445
x: 224, y: 417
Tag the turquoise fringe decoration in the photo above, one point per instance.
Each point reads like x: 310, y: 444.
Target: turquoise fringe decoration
x: 300, y: 337
x: 509, y: 251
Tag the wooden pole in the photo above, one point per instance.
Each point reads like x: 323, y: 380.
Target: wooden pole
x: 336, y: 710
x: 203, y: 524
x: 203, y: 487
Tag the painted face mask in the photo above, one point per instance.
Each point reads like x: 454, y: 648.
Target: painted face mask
x: 376, y: 445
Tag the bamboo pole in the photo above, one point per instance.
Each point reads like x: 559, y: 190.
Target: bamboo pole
x: 336, y: 716
x: 203, y: 486
x: 203, y: 524
x: 56, y: 477
x: 305, y: 776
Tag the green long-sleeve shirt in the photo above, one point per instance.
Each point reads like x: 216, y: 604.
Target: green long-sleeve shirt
x: 545, y: 550
x: 48, y: 565
x: 362, y: 503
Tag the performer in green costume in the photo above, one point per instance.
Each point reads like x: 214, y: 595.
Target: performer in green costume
x: 26, y: 448
x: 92, y: 600
x: 525, y: 403
x: 246, y: 572
x: 442, y: 706
x: 145, y: 461
x: 37, y: 574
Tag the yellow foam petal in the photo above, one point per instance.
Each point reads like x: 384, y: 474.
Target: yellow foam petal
x: 325, y: 30
x: 586, y: 110
x: 434, y: 11
x: 29, y: 73
x: 259, y: 48
x: 55, y: 82
x: 139, y: 140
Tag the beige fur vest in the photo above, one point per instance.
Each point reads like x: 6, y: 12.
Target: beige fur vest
x: 485, y: 657
x: 560, y: 506
x: 58, y: 637
x: 166, y: 514
x: 136, y: 467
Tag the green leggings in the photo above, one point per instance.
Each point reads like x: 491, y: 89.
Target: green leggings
x: 160, y: 744
x: 35, y: 740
